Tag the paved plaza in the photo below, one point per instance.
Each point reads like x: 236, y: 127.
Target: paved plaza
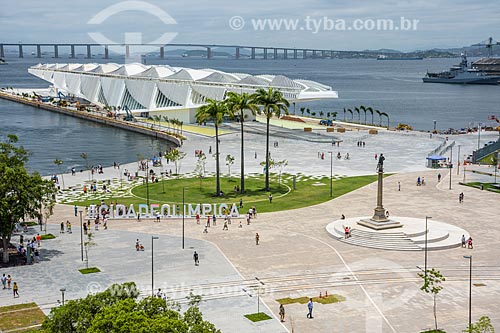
x: 296, y: 256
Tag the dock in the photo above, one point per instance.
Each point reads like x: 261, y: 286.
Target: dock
x: 96, y: 117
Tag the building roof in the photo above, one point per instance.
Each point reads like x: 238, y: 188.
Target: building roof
x: 160, y: 86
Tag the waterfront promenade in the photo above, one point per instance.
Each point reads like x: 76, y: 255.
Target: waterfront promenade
x: 296, y: 257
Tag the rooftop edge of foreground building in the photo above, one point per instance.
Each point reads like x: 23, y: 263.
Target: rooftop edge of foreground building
x: 176, y: 92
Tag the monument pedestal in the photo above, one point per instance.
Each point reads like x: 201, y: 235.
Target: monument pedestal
x: 379, y: 220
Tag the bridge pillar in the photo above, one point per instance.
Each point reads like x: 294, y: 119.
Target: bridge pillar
x: 285, y: 54
x: 304, y: 54
x: 295, y: 54
x: 127, y: 51
x: 106, y: 52
x: 253, y: 52
x: 89, y: 53
x: 38, y: 51
x: 73, y: 55
x: 265, y: 53
x: 162, y: 52
x: 56, y: 51
x: 209, y: 53
x: 314, y: 54
x: 275, y: 54
x: 323, y: 54
x: 2, y: 53
x: 237, y: 53
x: 21, y: 55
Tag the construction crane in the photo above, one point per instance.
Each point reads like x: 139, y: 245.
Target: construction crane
x: 489, y: 43
x: 129, y: 116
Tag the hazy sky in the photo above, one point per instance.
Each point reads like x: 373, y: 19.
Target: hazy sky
x: 441, y: 23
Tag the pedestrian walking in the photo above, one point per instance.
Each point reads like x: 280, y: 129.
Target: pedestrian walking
x: 196, y: 259
x: 241, y: 203
x: 15, y: 289
x: 469, y: 243
x: 282, y: 313
x: 4, y: 281
x: 257, y: 238
x: 9, y: 281
x: 463, y: 241
x: 38, y: 240
x: 310, y: 308
x: 62, y: 228
x: 214, y: 220
x: 399, y: 186
x: 270, y: 198
x: 225, y: 226
x: 76, y: 210
x: 439, y: 177
x: 197, y: 218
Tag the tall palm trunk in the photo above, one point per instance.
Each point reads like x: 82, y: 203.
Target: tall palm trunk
x: 267, y: 155
x: 217, y: 159
x: 242, y: 185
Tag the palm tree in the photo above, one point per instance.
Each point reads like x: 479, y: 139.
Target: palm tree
x: 385, y: 115
x: 352, y: 115
x: 321, y: 113
x: 344, y: 113
x: 362, y: 108
x: 214, y: 111
x: 359, y: 114
x: 379, y: 116
x: 272, y: 102
x: 334, y: 115
x: 369, y: 109
x: 302, y: 110
x: 166, y: 120
x: 237, y: 104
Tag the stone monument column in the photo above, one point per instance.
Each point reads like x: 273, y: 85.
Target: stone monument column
x: 379, y: 215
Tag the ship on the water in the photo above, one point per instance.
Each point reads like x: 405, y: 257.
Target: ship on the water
x: 386, y: 57
x: 482, y: 71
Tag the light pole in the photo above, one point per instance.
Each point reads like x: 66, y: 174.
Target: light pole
x: 81, y: 232
x: 458, y: 161
x: 62, y: 290
x: 451, y: 163
x: 478, y: 135
x: 425, y: 256
x: 147, y: 183
x: 331, y: 173
x: 183, y: 213
x: 258, y: 294
x: 470, y: 289
x: 153, y: 265
x: 434, y: 125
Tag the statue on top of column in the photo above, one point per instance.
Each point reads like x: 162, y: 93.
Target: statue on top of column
x: 380, y: 165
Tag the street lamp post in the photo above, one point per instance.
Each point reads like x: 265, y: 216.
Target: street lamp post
x: 183, y: 213
x: 258, y: 294
x: 147, y: 183
x: 470, y: 289
x: 425, y: 255
x: 62, y: 290
x: 451, y: 163
x: 81, y: 232
x: 478, y: 135
x: 331, y: 173
x: 153, y: 265
x: 458, y: 161
x: 434, y: 125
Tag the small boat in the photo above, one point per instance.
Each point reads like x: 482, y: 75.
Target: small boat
x: 2, y: 62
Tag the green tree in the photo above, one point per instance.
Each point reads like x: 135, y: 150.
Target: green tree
x: 352, y: 114
x: 483, y: 325
x: 85, y: 157
x: 370, y: 109
x: 176, y: 156
x: 273, y: 103
x: 87, y: 244
x: 59, y: 162
x: 432, y: 285
x: 118, y: 309
x: 21, y: 193
x: 238, y: 104
x: 229, y: 163
x: 214, y: 111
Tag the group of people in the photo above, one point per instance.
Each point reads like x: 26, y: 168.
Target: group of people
x: 346, y: 157
x: 420, y: 181
x: 30, y: 248
x: 467, y: 242
x: 7, y: 284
